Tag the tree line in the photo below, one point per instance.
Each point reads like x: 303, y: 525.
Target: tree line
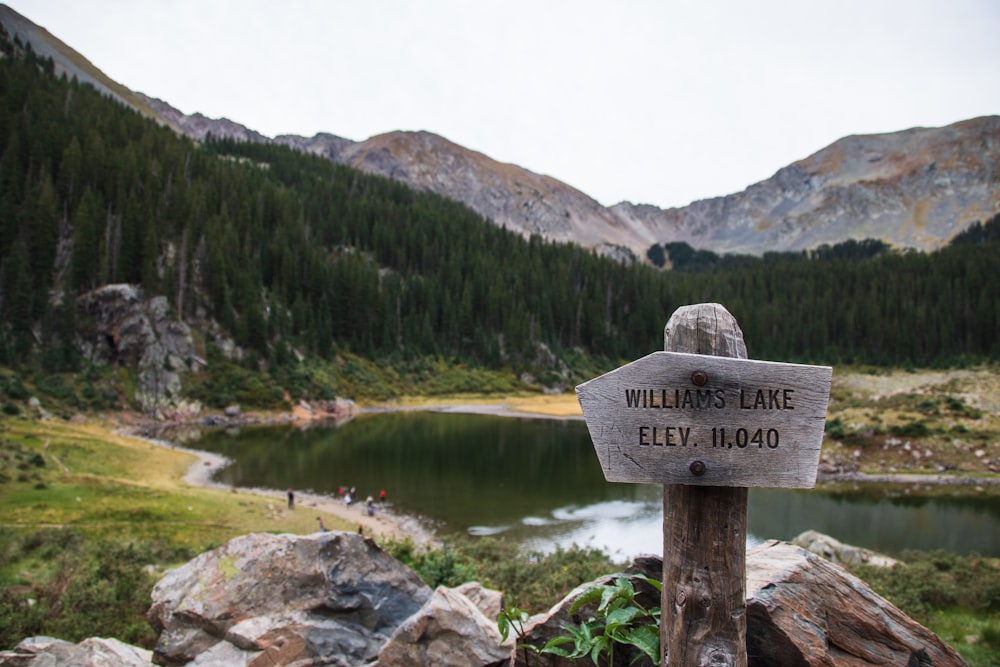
x: 294, y: 255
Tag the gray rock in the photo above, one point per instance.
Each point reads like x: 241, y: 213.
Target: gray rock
x: 93, y: 652
x: 334, y: 597
x: 487, y: 600
x: 448, y: 631
x: 35, y: 408
x: 138, y: 333
x: 838, y: 552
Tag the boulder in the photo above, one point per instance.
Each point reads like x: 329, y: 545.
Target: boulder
x: 840, y: 553
x: 448, y: 631
x: 327, y: 598
x: 802, y: 611
x: 93, y: 652
x: 805, y: 610
x: 337, y: 411
x: 487, y: 600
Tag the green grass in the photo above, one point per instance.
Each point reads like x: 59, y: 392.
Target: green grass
x: 116, y: 487
x: 956, y: 597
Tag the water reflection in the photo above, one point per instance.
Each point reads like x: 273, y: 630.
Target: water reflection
x: 539, y: 482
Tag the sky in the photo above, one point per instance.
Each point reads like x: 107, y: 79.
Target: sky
x: 658, y: 102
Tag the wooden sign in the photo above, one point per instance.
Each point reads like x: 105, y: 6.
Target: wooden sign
x: 693, y: 419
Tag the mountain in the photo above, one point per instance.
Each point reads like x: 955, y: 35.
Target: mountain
x: 507, y: 194
x: 915, y: 188
x: 70, y: 63
x: 271, y: 256
x: 912, y: 189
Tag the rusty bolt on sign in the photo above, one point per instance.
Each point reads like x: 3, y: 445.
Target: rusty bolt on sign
x: 697, y: 468
x: 700, y: 378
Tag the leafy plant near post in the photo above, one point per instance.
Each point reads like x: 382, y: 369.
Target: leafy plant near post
x: 514, y: 618
x: 620, y: 619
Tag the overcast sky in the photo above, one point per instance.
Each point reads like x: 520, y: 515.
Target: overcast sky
x: 661, y: 102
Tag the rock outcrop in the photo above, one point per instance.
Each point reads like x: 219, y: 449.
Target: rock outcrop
x: 142, y: 334
x: 337, y: 411
x: 804, y: 610
x: 450, y: 630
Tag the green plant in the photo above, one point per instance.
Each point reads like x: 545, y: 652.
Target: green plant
x: 835, y: 429
x: 514, y: 618
x: 916, y: 429
x: 58, y: 582
x: 618, y: 619
x: 447, y: 566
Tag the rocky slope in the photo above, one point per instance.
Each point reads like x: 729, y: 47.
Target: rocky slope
x: 507, y: 194
x: 915, y: 188
x: 70, y: 63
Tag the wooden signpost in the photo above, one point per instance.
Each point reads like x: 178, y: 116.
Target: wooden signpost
x: 706, y: 422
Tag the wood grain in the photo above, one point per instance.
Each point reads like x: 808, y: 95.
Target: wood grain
x: 703, y: 609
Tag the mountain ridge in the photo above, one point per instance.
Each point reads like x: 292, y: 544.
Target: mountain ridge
x: 914, y: 188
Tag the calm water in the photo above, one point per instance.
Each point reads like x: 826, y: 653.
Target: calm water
x: 538, y: 481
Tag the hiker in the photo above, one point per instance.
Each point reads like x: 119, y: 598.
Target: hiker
x: 291, y: 499
x: 322, y: 526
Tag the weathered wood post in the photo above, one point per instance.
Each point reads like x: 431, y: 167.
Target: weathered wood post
x: 703, y: 604
x: 706, y: 422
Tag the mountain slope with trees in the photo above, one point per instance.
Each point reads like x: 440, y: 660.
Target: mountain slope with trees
x: 914, y: 188
x: 300, y: 261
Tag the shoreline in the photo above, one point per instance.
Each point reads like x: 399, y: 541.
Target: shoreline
x: 389, y: 524
x: 385, y: 523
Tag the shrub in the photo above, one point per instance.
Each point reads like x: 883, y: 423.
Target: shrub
x: 85, y: 587
x: 916, y: 429
x: 925, y: 582
x: 835, y: 429
x: 529, y: 579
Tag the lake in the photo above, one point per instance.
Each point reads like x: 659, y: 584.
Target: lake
x: 538, y: 481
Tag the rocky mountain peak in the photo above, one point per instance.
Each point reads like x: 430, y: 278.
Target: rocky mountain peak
x: 915, y: 188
